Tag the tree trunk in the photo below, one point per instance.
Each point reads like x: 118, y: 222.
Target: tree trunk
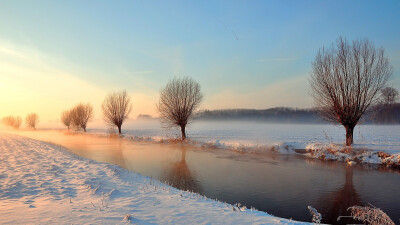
x: 183, y: 132
x: 84, y: 129
x: 349, y: 134
x: 119, y: 129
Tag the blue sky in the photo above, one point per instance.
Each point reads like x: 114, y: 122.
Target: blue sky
x: 245, y: 54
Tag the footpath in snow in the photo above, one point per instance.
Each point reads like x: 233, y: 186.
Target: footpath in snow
x: 45, y: 184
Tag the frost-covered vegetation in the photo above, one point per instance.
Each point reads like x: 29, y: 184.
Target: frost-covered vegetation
x: 370, y: 215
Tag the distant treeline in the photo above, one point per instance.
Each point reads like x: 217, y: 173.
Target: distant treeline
x: 389, y: 114
x: 381, y: 115
x: 279, y: 114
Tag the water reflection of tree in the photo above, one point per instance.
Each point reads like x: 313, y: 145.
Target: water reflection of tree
x: 179, y: 175
x: 336, y: 203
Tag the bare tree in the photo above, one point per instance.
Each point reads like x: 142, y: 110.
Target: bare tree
x: 346, y: 81
x: 116, y: 108
x: 16, y: 122
x: 81, y: 114
x: 12, y: 121
x: 31, y: 120
x: 66, y: 118
x: 178, y: 100
x: 389, y: 96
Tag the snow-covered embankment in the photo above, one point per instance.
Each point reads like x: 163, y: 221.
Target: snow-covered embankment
x: 45, y: 184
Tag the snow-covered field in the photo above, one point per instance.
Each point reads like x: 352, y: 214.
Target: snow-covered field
x: 253, y: 135
x: 44, y: 184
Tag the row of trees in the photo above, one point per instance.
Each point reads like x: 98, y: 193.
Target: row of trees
x: 178, y: 101
x: 12, y: 121
x: 31, y: 120
x: 78, y: 116
x: 116, y: 108
x: 347, y: 82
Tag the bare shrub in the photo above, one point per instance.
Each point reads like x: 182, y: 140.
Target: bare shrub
x: 116, y: 108
x: 370, y: 215
x: 32, y: 120
x: 316, y: 216
x: 346, y: 81
x: 81, y: 114
x: 178, y: 100
x: 66, y: 118
x: 12, y: 121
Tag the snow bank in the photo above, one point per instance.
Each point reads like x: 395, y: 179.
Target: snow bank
x: 44, y: 184
x: 352, y: 155
x: 250, y: 135
x: 241, y: 146
x: 358, y: 153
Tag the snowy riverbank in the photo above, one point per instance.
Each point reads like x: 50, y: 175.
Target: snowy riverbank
x: 45, y: 184
x: 368, y: 154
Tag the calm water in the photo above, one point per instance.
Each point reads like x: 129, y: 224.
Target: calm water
x: 282, y: 185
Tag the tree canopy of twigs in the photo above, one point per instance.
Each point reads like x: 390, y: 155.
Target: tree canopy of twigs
x: 389, y: 96
x: 178, y: 101
x: 66, y: 118
x: 32, y: 120
x: 116, y: 108
x: 12, y: 121
x: 346, y: 80
x: 81, y: 114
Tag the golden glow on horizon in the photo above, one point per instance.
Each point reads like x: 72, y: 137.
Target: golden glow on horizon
x: 29, y: 84
x: 288, y: 92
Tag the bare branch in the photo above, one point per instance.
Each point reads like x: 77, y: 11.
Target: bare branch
x: 346, y: 81
x: 12, y: 121
x: 66, y: 118
x: 116, y: 108
x: 81, y: 114
x: 178, y: 100
x: 31, y: 120
x: 389, y: 96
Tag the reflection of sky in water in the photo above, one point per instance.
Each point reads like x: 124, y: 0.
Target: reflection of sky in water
x: 282, y: 185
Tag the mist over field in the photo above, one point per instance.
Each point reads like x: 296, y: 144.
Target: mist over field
x: 234, y: 133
